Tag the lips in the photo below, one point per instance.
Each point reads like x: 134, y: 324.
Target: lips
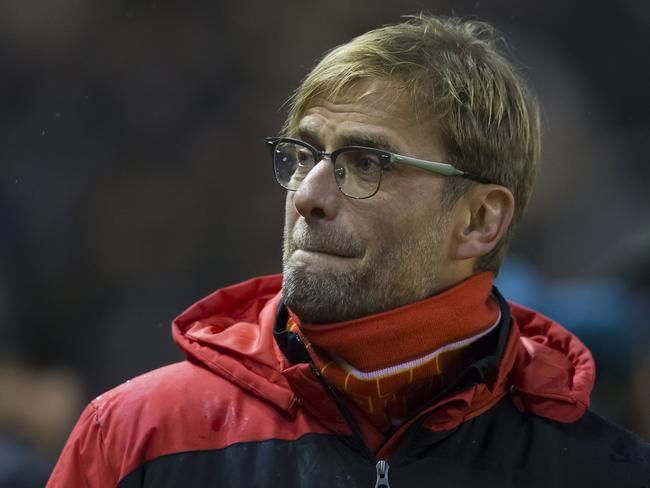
x: 330, y: 252
x: 324, y: 240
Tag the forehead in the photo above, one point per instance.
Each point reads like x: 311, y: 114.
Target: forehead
x: 369, y: 111
x: 375, y: 104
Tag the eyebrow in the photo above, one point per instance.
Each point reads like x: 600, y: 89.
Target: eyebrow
x: 352, y: 138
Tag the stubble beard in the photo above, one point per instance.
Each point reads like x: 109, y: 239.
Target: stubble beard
x: 402, y: 269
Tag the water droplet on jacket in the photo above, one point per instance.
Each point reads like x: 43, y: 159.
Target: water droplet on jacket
x: 216, y: 424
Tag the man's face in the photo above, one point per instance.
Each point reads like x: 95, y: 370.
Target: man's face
x: 346, y: 258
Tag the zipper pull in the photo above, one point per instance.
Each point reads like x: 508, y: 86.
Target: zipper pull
x: 382, y: 475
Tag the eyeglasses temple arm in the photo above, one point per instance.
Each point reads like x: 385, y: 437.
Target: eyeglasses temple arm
x: 445, y: 169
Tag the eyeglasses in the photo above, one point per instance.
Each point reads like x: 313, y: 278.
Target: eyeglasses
x: 357, y: 170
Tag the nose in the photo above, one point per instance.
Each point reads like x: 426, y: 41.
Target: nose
x: 318, y: 197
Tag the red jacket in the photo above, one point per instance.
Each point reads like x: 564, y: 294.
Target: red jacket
x: 214, y: 416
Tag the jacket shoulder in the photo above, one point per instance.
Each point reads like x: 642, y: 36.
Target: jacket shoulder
x: 625, y: 451
x: 597, y: 451
x: 175, y: 383
x: 539, y: 451
x: 179, y: 407
x: 176, y: 408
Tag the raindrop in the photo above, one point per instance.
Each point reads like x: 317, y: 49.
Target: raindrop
x: 57, y: 115
x: 42, y: 132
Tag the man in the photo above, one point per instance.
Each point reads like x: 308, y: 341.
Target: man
x: 383, y: 356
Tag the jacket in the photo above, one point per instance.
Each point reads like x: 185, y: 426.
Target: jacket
x: 245, y: 410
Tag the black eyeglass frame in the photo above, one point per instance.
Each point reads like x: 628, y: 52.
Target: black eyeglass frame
x: 386, y: 158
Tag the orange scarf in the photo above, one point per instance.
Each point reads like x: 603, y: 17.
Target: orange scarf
x: 391, y: 363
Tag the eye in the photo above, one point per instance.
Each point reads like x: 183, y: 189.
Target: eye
x: 303, y: 157
x: 365, y: 162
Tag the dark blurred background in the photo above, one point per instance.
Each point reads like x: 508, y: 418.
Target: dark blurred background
x: 133, y: 180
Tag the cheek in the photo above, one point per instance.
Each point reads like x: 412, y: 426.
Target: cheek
x: 406, y: 222
x: 380, y: 227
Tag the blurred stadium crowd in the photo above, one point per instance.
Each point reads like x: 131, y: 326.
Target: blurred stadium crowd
x: 133, y: 181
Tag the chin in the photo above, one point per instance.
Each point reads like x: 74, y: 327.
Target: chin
x: 318, y: 293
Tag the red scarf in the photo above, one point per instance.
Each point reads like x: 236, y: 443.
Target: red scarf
x: 390, y: 364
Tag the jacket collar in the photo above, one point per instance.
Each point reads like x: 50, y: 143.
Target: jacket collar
x: 547, y: 370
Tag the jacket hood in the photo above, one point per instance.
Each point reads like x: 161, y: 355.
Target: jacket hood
x: 231, y: 333
x: 554, y: 372
x: 545, y: 368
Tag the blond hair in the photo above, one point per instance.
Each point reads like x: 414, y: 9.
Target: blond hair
x: 461, y: 85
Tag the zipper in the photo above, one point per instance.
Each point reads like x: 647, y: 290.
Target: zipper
x: 382, y: 475
x: 354, y: 426
x: 381, y: 466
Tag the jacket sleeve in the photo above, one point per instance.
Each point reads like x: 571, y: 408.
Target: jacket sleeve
x: 83, y: 463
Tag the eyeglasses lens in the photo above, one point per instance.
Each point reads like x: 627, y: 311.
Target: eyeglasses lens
x: 357, y: 173
x: 292, y: 163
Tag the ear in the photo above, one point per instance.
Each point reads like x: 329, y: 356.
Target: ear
x: 484, y: 215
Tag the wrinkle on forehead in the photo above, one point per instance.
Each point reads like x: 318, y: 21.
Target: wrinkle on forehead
x: 325, y: 127
x: 368, y: 107
x: 376, y: 107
